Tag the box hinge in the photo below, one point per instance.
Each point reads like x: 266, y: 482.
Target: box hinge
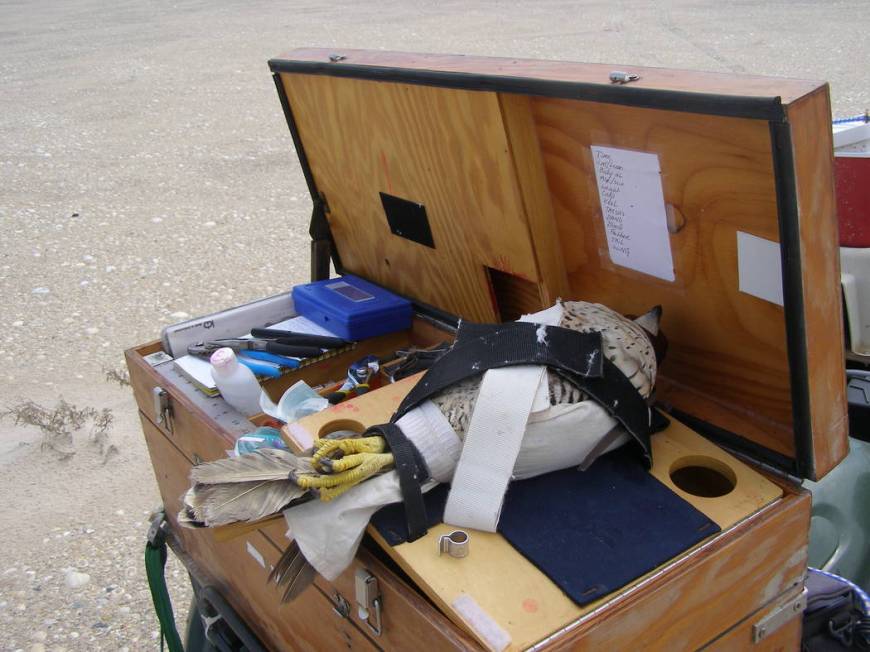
x: 321, y: 240
x: 368, y: 600
x: 162, y: 408
x: 779, y: 616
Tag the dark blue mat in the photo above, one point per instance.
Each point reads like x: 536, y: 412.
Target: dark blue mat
x: 590, y: 533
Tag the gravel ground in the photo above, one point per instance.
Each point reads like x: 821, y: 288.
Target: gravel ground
x: 146, y: 174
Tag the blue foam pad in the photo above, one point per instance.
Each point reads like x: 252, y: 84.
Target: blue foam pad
x: 590, y: 532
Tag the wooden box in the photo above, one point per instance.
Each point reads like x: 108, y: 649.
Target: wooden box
x: 494, y: 159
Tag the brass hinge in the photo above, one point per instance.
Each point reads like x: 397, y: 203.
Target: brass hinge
x: 779, y: 616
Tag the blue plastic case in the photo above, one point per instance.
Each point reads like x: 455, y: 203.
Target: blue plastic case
x: 352, y: 308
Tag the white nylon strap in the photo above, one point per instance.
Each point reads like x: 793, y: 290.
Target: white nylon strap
x: 491, y: 446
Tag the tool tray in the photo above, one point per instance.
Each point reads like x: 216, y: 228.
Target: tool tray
x: 469, y: 185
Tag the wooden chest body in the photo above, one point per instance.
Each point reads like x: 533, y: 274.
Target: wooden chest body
x: 742, y: 374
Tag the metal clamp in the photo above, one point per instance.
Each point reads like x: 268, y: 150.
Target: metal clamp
x: 157, y: 530
x: 779, y: 616
x: 454, y: 544
x: 340, y: 605
x: 368, y: 600
x: 162, y: 408
x: 620, y: 77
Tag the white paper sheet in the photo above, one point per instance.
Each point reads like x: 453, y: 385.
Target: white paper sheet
x: 759, y: 267
x: 633, y: 209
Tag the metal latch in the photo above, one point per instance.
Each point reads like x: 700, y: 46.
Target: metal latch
x: 162, y: 408
x: 368, y: 600
x: 157, y: 530
x: 779, y: 617
x: 340, y: 605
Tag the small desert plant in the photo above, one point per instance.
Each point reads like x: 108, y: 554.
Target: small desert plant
x: 60, y: 422
x: 120, y: 376
x: 102, y: 424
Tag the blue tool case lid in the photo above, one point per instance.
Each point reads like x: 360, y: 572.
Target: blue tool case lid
x: 352, y: 307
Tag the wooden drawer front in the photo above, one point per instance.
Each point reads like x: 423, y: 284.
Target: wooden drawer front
x: 234, y: 567
x: 193, y: 433
x: 409, y: 621
x: 706, y: 594
x: 785, y: 638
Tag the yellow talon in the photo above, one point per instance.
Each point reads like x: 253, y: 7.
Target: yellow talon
x: 326, y: 447
x: 353, y: 470
x: 347, y: 462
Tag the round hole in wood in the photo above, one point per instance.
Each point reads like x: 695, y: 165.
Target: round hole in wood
x: 346, y: 427
x: 702, y: 476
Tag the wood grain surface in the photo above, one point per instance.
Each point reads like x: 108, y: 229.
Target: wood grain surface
x: 193, y: 432
x: 820, y: 260
x: 445, y: 149
x: 725, y: 345
x: 172, y: 468
x: 786, y: 638
x: 506, y: 596
x: 409, y: 620
x: 690, y: 81
x: 509, y: 185
x: 233, y: 568
x: 708, y: 592
x: 532, y: 179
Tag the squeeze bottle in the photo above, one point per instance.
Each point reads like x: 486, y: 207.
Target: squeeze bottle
x: 236, y: 383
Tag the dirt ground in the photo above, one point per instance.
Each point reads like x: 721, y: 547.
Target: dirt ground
x: 146, y: 174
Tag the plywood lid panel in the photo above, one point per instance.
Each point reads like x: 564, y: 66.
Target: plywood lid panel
x: 498, y: 152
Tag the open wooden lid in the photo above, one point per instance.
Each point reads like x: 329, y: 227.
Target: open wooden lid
x: 475, y: 186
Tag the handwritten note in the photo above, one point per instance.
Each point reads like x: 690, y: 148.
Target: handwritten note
x: 633, y: 209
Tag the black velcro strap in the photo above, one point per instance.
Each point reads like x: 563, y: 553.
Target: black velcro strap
x: 504, y: 345
x: 412, y: 473
x: 575, y: 356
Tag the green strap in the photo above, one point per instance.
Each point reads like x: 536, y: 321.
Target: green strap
x: 155, y: 563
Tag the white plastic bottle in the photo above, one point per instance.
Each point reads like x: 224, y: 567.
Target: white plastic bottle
x: 236, y: 383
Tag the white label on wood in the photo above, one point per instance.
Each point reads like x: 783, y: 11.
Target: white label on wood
x: 633, y: 209
x: 492, y: 634
x: 255, y: 554
x: 759, y: 267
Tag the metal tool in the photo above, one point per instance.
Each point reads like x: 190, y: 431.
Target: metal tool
x: 243, y: 344
x: 359, y: 375
x: 620, y: 77
x: 300, y: 339
x: 454, y: 544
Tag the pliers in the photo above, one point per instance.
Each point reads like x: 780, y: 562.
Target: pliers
x: 254, y: 344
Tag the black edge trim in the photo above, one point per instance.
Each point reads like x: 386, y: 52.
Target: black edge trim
x: 735, y: 106
x: 762, y: 108
x: 319, y: 226
x: 793, y: 296
x: 735, y: 442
